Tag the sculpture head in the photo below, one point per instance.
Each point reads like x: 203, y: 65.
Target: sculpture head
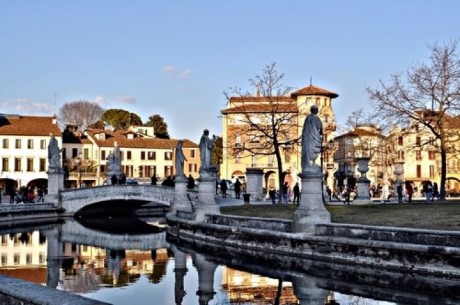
x: 314, y: 109
x: 206, y: 132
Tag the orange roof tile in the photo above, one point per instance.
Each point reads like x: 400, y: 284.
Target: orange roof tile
x: 261, y: 99
x: 262, y: 108
x: 313, y: 90
x: 18, y: 125
x: 119, y: 136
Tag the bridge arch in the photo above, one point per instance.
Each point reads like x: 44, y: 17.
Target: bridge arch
x: 74, y: 200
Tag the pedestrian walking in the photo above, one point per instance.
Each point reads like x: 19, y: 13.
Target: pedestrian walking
x: 296, y: 191
x: 272, y: 194
x: 428, y: 190
x: 237, y: 187
x: 285, y: 192
x: 12, y: 196
x: 409, y: 192
x: 399, y: 190
x: 190, y: 182
x: 153, y: 179
x: 223, y: 188
x: 347, y: 196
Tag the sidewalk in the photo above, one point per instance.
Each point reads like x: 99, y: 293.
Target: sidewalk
x: 229, y: 201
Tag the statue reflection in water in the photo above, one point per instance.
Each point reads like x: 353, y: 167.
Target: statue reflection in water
x: 292, y: 281
x: 303, y: 291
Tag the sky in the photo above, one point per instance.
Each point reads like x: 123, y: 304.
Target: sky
x: 176, y: 58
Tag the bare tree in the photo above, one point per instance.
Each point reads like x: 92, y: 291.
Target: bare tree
x: 428, y: 94
x: 80, y: 113
x: 267, y: 122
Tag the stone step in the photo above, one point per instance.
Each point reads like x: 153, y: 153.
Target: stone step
x: 391, y: 234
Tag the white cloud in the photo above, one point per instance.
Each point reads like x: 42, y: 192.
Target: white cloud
x: 126, y: 100
x: 100, y: 100
x: 26, y: 106
x: 186, y: 72
x: 104, y: 101
x: 173, y: 73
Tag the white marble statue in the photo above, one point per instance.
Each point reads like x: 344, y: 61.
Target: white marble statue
x: 54, y: 155
x: 312, y: 139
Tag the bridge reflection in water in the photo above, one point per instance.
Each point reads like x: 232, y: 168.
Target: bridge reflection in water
x: 111, y: 262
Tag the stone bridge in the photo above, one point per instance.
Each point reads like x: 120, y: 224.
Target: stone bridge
x: 76, y: 199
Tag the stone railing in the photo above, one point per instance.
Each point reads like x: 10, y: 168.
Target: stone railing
x: 278, y: 225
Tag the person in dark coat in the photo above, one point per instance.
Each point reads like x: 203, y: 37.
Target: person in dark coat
x: 272, y: 194
x: 223, y: 188
x: 296, y: 191
x: 409, y: 191
x: 399, y: 191
x: 190, y: 182
x: 237, y: 187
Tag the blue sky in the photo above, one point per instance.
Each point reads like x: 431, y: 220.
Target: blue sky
x: 176, y: 57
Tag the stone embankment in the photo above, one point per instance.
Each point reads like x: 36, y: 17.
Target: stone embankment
x: 427, y: 252
x: 18, y: 292
x: 28, y: 212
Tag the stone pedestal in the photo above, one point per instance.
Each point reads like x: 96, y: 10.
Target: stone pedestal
x: 362, y: 186
x: 180, y: 270
x: 55, y: 185
x: 180, y: 201
x: 308, y: 293
x: 206, y: 271
x: 363, y: 183
x: 206, y: 196
x: 53, y: 257
x: 254, y: 184
x: 311, y: 210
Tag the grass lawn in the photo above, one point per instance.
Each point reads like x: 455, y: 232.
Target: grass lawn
x: 438, y: 215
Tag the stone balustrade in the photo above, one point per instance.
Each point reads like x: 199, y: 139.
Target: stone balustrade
x: 75, y: 199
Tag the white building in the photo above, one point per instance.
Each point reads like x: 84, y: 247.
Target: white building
x: 24, y: 150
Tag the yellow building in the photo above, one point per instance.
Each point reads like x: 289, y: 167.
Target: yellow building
x: 240, y: 138
x: 421, y: 157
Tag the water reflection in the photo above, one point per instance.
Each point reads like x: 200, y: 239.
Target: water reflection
x: 121, y: 261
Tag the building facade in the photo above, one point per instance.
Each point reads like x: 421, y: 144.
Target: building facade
x: 24, y: 150
x: 142, y: 155
x: 240, y: 138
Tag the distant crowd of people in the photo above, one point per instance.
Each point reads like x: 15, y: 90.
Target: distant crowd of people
x: 25, y: 195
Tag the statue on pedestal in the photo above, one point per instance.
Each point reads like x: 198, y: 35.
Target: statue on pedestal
x: 312, y: 139
x: 114, y: 163
x: 54, y: 156
x: 205, y: 151
x: 180, y: 159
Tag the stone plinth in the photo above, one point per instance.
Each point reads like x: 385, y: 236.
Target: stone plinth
x: 362, y: 186
x: 254, y: 186
x: 180, y: 201
x: 206, y: 196
x: 55, y: 185
x: 311, y: 210
x: 307, y: 291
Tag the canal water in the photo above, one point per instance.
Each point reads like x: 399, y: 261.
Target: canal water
x: 131, y: 261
